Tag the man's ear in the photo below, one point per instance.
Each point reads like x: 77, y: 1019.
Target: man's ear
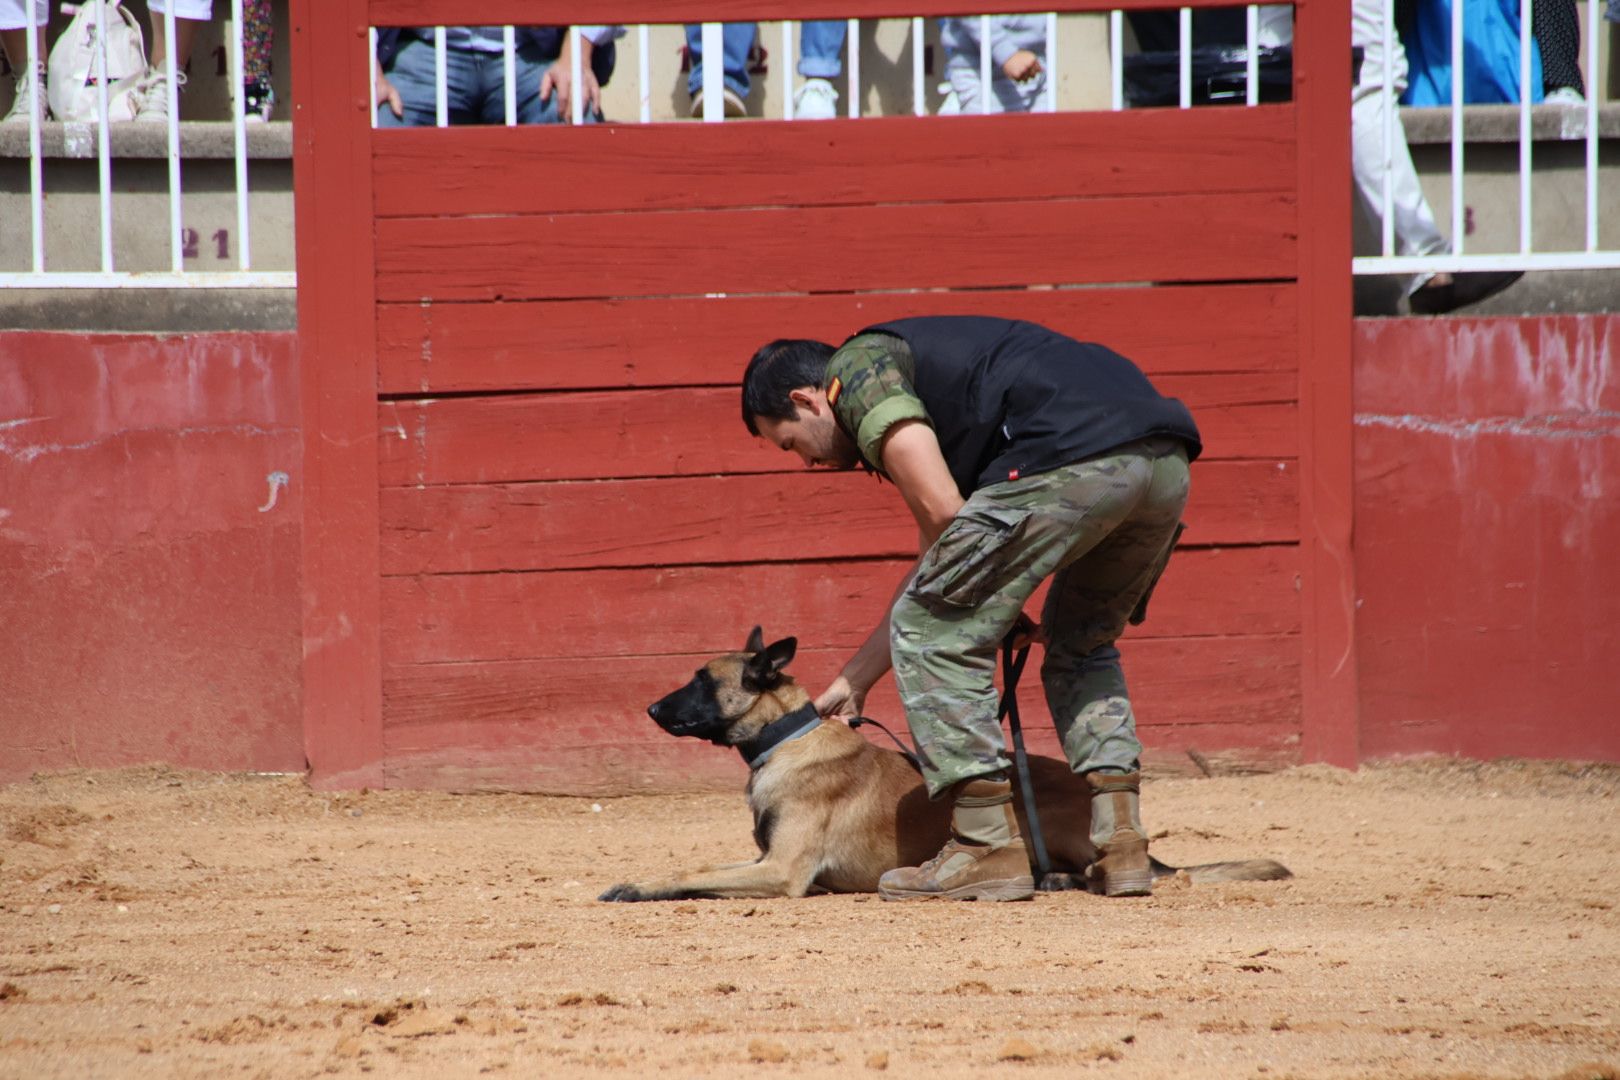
x: 764, y: 668
x: 809, y: 398
x: 756, y: 641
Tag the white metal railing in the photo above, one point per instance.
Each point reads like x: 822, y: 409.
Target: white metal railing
x: 1396, y: 159
x: 713, y: 85
x: 41, y: 274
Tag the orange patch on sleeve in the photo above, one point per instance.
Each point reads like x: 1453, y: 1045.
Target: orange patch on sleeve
x: 834, y: 388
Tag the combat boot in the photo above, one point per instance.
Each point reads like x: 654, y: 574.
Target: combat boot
x: 985, y: 858
x: 1122, y: 867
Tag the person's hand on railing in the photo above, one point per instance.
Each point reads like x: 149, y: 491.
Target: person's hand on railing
x: 382, y: 90
x: 1022, y: 66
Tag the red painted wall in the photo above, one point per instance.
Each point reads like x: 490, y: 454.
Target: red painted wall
x: 150, y: 605
x: 1487, y: 527
x: 151, y: 608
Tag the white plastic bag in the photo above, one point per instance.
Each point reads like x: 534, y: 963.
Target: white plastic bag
x: 75, y: 63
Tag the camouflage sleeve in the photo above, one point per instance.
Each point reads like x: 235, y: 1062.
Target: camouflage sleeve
x: 869, y: 383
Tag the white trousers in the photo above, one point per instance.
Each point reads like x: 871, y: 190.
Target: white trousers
x: 1416, y: 232
x: 185, y: 9
x: 13, y: 16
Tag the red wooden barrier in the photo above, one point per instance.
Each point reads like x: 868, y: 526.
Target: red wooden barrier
x: 502, y: 578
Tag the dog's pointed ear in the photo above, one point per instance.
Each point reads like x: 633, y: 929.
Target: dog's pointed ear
x: 756, y: 641
x: 764, y: 668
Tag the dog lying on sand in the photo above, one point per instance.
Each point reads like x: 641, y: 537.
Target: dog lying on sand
x: 832, y: 811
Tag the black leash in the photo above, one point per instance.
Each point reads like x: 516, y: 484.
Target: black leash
x: 1011, y: 668
x: 908, y: 752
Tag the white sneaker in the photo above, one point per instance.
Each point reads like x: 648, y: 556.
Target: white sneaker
x: 816, y: 100
x: 1567, y: 96
x: 22, y: 105
x: 154, y: 95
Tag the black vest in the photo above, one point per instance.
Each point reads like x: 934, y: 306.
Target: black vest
x: 1010, y: 399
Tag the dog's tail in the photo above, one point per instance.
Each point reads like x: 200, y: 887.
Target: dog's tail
x: 1236, y: 870
x: 1203, y: 874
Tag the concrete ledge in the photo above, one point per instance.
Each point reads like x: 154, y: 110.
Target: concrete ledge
x: 155, y: 311
x: 140, y: 139
x: 1500, y: 123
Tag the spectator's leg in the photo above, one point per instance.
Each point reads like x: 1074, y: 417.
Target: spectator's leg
x: 1416, y: 231
x: 413, y: 75
x: 529, y: 68
x: 187, y: 14
x: 964, y: 80
x: 1557, y: 26
x: 738, y: 39
x: 821, y: 47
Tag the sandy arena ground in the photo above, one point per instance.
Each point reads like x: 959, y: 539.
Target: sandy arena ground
x: 1448, y: 920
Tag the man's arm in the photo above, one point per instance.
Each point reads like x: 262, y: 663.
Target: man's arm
x: 913, y: 461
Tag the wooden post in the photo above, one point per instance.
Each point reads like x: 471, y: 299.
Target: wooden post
x: 337, y: 361
x: 1322, y: 67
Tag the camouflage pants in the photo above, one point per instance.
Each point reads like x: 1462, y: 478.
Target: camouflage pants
x: 1100, y: 529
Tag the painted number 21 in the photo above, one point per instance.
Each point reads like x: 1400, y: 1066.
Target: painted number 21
x: 190, y: 239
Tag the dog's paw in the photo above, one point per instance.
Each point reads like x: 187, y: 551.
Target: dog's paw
x: 624, y: 893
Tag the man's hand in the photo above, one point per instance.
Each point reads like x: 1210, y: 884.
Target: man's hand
x: 841, y: 701
x: 382, y: 90
x: 559, y: 77
x: 1022, y: 66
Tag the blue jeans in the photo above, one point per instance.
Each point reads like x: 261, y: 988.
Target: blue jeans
x: 820, y: 44
x: 738, y: 39
x: 474, y: 83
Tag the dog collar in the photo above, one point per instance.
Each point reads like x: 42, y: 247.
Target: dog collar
x: 800, y: 722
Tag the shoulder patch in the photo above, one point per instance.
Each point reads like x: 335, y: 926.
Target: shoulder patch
x: 834, y: 388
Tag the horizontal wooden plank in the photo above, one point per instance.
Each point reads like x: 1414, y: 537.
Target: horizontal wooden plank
x: 605, y: 344
x: 559, y: 12
x: 652, y: 611
x: 581, y: 726
x: 832, y: 249
x: 550, y: 169
x: 773, y: 517
x: 594, y: 435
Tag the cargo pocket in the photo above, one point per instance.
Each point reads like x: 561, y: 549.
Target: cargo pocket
x: 966, y: 564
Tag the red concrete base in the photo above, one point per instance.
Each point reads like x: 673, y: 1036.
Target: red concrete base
x: 148, y: 582
x: 1487, y: 523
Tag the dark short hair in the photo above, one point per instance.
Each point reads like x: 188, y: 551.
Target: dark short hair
x: 778, y: 369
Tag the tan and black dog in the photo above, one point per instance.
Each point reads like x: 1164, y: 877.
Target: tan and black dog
x: 832, y: 811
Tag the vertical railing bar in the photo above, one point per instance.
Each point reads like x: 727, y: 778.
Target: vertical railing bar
x: 576, y: 62
x: 984, y: 65
x: 1592, y: 124
x: 1524, y: 126
x: 244, y: 257
x: 787, y: 69
x: 171, y: 67
x: 1251, y: 65
x: 853, y: 48
x: 1458, y: 210
x: 919, y: 88
x: 1186, y: 58
x: 1387, y: 98
x: 441, y: 97
x: 36, y: 178
x: 644, y: 70
x: 1116, y: 59
x: 1051, y: 61
x: 371, y: 66
x: 104, y: 154
x: 714, y: 73
x: 509, y: 67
